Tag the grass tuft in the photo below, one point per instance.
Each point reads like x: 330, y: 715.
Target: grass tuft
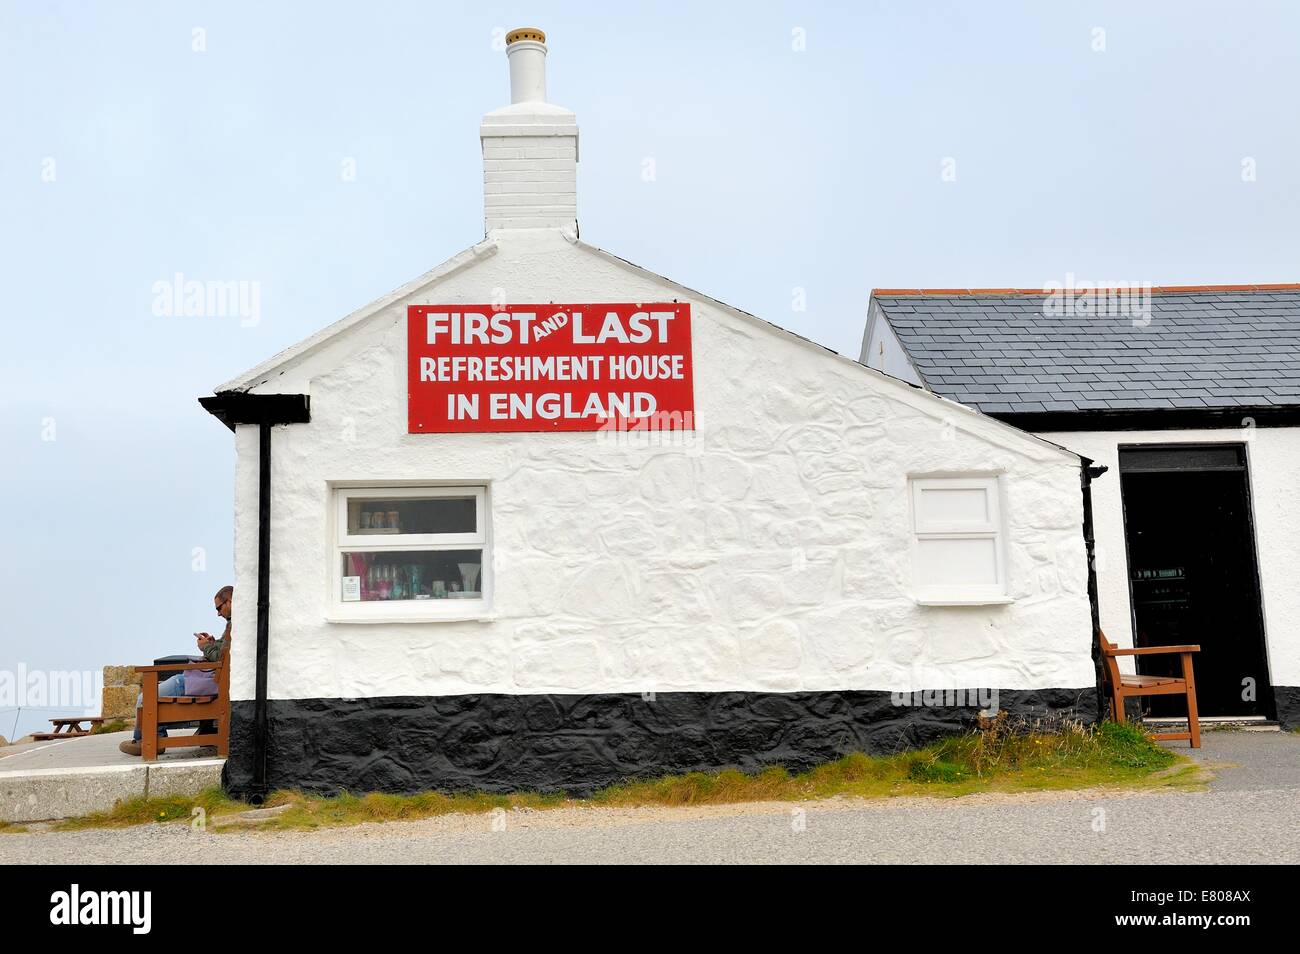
x: 116, y: 725
x: 143, y: 811
x: 999, y: 754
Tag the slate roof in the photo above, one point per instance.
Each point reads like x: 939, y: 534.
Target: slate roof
x: 1203, y: 347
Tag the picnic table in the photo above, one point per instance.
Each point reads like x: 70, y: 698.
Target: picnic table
x: 70, y: 728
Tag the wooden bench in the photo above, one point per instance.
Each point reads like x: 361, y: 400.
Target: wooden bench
x: 166, y: 710
x: 1124, y: 686
x: 70, y: 728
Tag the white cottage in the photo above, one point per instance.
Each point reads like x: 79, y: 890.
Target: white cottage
x: 1190, y: 397
x: 544, y: 519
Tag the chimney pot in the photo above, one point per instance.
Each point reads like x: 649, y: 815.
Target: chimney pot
x: 525, y: 33
x: 526, y: 48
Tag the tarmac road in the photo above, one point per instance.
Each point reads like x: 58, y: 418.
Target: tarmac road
x: 1246, y: 817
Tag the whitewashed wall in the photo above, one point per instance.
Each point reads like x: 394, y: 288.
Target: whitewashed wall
x: 773, y: 555
x: 882, y: 350
x: 1273, y: 460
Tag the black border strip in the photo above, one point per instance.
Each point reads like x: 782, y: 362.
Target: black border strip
x: 579, y: 743
x: 1151, y: 419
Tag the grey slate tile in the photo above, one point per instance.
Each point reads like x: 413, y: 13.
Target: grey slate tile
x: 1221, y: 349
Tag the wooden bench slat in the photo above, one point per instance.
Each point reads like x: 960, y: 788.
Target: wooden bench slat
x: 1140, y: 680
x: 1153, y: 650
x: 168, y: 714
x: 188, y: 741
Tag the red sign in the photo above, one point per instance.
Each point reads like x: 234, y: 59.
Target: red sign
x: 549, y: 367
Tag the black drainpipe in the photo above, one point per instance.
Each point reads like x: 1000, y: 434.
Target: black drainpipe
x: 258, y: 793
x: 1088, y: 473
x: 264, y: 410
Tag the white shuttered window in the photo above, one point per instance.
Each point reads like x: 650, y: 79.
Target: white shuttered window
x: 958, y: 548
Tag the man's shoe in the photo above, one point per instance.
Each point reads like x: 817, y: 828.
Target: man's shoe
x: 130, y: 747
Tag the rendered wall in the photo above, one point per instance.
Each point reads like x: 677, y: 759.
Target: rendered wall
x: 771, y: 556
x: 882, y: 350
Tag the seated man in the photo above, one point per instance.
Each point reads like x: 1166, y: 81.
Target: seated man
x: 192, y: 682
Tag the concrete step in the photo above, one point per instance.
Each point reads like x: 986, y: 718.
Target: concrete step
x: 50, y: 780
x: 1210, y: 723
x: 48, y: 794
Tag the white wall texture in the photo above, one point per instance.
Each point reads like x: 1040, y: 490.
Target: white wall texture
x: 772, y: 554
x: 1273, y: 461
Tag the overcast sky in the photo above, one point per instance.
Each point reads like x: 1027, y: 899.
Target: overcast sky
x: 798, y: 150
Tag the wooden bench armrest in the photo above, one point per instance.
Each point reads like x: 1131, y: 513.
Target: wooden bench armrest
x: 173, y: 667
x: 1153, y: 650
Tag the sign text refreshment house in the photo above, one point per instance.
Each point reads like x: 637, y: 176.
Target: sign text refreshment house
x: 551, y: 367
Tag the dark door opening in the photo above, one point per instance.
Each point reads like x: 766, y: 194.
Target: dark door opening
x: 1192, y: 573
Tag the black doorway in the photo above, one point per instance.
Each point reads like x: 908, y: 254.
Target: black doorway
x: 1193, y: 576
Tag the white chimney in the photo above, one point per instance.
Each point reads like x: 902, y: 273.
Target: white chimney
x: 530, y: 148
x: 526, y: 51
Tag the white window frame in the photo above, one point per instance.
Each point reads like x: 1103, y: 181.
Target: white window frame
x: 949, y: 594
x: 382, y: 611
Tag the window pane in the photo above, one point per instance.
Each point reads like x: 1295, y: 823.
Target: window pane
x: 380, y: 515
x: 954, y: 507
x: 957, y: 562
x: 412, y: 575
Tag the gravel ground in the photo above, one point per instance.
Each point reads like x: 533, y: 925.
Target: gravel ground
x: 1246, y: 817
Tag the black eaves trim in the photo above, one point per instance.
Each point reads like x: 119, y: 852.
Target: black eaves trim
x: 239, y: 407
x: 1152, y: 419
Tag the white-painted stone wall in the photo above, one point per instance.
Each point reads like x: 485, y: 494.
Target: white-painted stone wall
x: 1273, y: 461
x: 773, y: 554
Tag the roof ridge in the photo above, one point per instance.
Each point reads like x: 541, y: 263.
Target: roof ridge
x: 1003, y: 292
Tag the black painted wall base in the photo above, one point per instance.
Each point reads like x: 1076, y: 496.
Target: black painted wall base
x: 579, y: 743
x: 1287, y: 701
